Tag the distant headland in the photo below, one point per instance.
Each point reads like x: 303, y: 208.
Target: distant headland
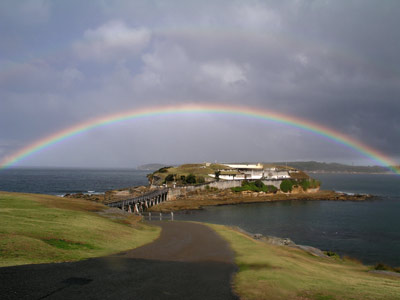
x: 306, y: 166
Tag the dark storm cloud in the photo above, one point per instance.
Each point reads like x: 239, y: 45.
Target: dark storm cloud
x: 332, y: 62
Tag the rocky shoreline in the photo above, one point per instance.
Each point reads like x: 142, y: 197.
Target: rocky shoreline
x: 273, y: 240
x: 199, y: 199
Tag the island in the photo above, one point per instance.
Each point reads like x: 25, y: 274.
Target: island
x: 193, y: 186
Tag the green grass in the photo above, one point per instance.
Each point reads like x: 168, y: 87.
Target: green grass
x: 279, y: 272
x: 68, y: 245
x: 42, y: 228
x: 186, y: 169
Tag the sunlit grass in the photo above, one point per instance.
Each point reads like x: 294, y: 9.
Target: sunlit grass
x: 279, y: 272
x: 42, y: 228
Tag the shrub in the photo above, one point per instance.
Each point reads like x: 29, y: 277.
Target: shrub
x: 170, y: 177
x: 332, y: 254
x: 271, y: 189
x: 286, y: 185
x: 237, y: 189
x: 183, y: 178
x: 255, y: 186
x: 200, y: 179
x: 163, y: 170
x: 305, y: 184
x: 191, y: 179
x: 384, y: 267
x: 258, y: 183
x: 314, y: 183
x: 217, y: 173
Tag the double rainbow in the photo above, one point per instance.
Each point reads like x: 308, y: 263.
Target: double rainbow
x: 263, y: 114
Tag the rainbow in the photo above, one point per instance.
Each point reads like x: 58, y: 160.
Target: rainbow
x: 202, y: 108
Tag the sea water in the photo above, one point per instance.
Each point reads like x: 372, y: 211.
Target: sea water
x: 367, y: 230
x: 61, y: 181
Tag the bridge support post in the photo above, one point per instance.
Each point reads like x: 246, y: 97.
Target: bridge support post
x: 146, y: 204
x: 172, y: 215
x: 130, y: 208
x: 160, y: 216
x: 137, y: 209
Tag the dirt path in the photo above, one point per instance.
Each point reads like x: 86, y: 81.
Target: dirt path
x: 188, y: 261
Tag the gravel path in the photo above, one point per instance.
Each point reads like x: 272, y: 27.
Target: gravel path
x: 188, y: 261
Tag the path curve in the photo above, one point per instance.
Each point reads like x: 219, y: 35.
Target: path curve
x: 187, y: 261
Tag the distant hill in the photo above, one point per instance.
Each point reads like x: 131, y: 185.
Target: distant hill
x: 151, y: 167
x: 314, y: 166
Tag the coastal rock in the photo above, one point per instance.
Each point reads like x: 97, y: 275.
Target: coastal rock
x: 273, y: 240
x: 312, y: 250
x: 389, y: 273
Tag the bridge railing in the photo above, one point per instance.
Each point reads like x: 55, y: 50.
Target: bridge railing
x: 138, y: 199
x: 155, y: 216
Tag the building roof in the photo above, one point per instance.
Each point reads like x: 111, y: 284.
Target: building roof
x: 246, y: 166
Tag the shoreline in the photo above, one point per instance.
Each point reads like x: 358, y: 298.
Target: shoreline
x: 197, y: 200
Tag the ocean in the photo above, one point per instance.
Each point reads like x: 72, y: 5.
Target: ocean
x: 61, y: 181
x: 368, y: 230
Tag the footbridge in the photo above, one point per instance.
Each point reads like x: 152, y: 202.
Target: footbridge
x: 141, y: 203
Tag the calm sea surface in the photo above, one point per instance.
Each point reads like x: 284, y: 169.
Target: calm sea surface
x: 369, y: 230
x: 62, y: 181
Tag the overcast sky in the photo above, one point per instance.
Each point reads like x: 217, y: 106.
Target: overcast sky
x: 336, y: 63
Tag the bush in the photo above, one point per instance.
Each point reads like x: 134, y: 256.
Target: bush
x: 332, y: 254
x: 258, y: 183
x: 163, y: 170
x: 170, y: 177
x: 384, y: 267
x: 217, y: 173
x: 255, y: 186
x: 183, y: 178
x: 200, y: 179
x: 191, y: 179
x: 315, y: 183
x: 309, y: 184
x: 286, y: 186
x: 271, y: 189
x: 305, y: 184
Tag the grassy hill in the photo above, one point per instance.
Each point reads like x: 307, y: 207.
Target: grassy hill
x: 150, y: 167
x: 181, y: 173
x: 314, y: 166
x: 41, y: 228
x: 279, y: 272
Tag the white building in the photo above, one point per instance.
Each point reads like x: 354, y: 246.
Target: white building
x: 251, y: 172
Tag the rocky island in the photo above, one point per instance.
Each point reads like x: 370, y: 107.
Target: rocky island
x: 193, y: 186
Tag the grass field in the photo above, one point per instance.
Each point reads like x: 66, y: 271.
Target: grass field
x: 279, y: 272
x: 42, y: 228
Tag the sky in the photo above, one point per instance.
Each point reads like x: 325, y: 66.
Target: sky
x: 335, y: 63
